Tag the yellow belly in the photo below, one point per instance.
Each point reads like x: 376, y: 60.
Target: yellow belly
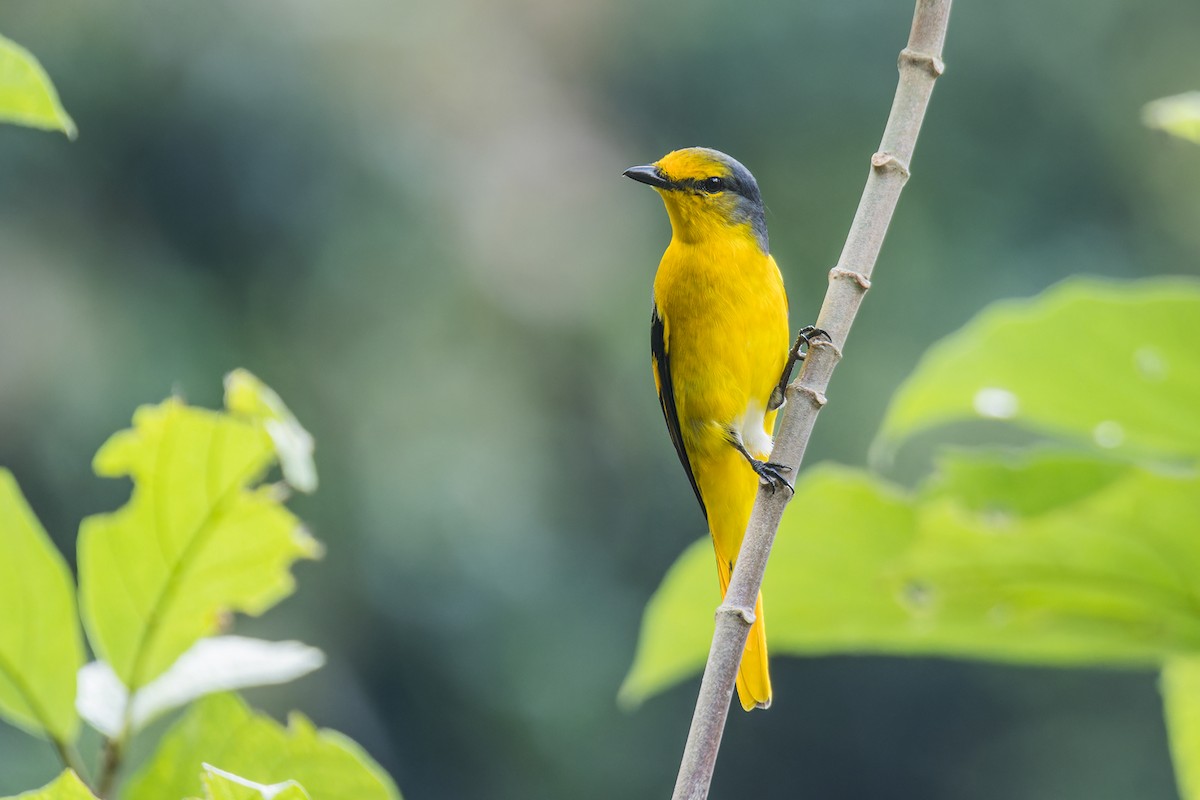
x: 726, y: 333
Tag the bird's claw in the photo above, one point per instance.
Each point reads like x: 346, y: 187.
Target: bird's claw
x: 808, y: 334
x: 771, y: 474
x: 804, y: 340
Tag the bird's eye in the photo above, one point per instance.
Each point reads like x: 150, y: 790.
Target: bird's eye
x: 712, y: 185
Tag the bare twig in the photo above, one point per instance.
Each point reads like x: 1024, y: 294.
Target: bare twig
x: 920, y: 65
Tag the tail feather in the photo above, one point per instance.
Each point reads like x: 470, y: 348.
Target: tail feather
x: 753, y: 678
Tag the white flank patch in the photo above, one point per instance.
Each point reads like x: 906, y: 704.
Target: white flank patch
x: 755, y: 439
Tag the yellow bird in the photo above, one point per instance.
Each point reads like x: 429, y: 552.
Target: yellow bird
x: 719, y: 346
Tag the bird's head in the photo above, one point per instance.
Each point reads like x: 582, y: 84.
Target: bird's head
x: 707, y: 194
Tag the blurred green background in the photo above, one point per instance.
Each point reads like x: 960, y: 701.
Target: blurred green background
x: 409, y: 220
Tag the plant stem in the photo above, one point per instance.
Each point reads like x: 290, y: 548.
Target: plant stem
x: 920, y: 64
x: 70, y: 757
x: 110, y: 764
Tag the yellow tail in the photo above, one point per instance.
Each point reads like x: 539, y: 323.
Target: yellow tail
x: 753, y: 678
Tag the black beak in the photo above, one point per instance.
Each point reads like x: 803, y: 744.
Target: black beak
x: 649, y: 175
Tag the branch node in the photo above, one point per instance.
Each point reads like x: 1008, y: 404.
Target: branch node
x: 930, y: 62
x: 887, y: 162
x: 843, y: 274
x: 746, y: 614
x: 818, y: 399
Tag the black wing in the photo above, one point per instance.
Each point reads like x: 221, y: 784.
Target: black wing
x: 666, y: 396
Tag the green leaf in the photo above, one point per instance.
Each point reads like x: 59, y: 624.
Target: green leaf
x: 1178, y: 115
x: 27, y: 96
x: 1108, y: 363
x: 1107, y: 577
x: 40, y: 644
x: 247, y: 396
x: 827, y: 586
x: 1180, y: 685
x: 1034, y: 483
x: 65, y: 787
x: 220, y: 729
x: 973, y: 566
x: 194, y: 542
x: 218, y: 664
x: 222, y: 785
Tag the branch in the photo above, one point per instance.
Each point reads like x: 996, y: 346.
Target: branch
x: 920, y: 65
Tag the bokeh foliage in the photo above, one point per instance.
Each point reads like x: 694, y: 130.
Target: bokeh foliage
x: 222, y: 730
x: 66, y: 786
x: 197, y: 539
x: 202, y: 537
x: 27, y: 97
x: 41, y: 648
x: 1178, y: 115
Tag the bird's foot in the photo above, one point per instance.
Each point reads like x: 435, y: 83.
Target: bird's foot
x: 771, y: 474
x: 804, y: 339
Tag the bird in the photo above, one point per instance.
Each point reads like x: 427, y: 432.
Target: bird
x: 719, y: 344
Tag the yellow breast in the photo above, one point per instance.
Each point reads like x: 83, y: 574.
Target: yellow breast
x: 726, y: 332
